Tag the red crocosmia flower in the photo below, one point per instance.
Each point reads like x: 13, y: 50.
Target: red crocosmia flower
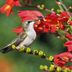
x: 59, y: 62
x: 48, y: 23
x: 46, y: 30
x: 18, y: 30
x: 51, y: 23
x: 63, y: 17
x: 7, y: 8
x: 70, y: 22
x: 13, y: 2
x: 53, y: 29
x: 29, y: 15
x: 69, y: 36
x: 52, y: 18
x: 67, y: 67
x: 63, y: 58
x: 42, y: 27
x: 46, y: 27
x: 68, y: 44
x: 17, y: 3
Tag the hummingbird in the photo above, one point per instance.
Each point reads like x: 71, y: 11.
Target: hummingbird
x: 24, y: 39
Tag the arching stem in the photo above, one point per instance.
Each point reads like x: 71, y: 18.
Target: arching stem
x: 62, y: 6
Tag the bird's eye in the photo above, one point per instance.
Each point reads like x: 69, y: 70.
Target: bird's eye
x: 29, y: 22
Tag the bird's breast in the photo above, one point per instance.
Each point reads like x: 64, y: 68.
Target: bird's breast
x: 31, y: 34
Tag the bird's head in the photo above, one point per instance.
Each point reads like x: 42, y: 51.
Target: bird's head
x: 26, y: 24
x: 29, y: 23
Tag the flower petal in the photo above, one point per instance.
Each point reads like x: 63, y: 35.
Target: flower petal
x: 29, y: 15
x: 18, y: 30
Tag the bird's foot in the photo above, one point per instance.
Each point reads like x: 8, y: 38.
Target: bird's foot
x: 20, y: 48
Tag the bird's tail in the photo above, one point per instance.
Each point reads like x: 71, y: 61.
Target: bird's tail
x: 6, y: 49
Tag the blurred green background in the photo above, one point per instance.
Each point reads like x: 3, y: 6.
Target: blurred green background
x: 48, y: 43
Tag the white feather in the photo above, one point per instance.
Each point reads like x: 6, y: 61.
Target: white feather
x: 31, y: 36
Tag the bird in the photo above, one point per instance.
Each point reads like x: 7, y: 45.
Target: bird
x: 24, y: 39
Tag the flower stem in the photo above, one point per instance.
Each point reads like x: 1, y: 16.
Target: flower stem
x: 65, y: 7
x: 62, y: 34
x: 60, y: 5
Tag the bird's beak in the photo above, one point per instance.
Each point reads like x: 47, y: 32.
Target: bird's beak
x: 39, y: 18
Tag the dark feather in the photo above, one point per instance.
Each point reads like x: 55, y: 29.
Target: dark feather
x: 6, y: 50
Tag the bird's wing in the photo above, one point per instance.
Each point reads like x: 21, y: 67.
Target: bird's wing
x: 28, y: 41
x: 17, y: 40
